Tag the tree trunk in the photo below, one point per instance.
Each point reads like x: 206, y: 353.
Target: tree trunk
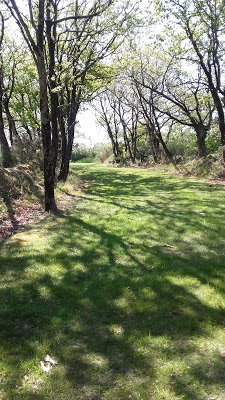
x: 127, y: 143
x: 72, y: 114
x: 201, y: 133
x: 63, y: 136
x: 221, y: 117
x: 114, y: 142
x: 48, y: 151
x: 12, y: 126
x: 5, y: 149
x: 65, y: 163
x: 154, y: 143
x: 54, y: 102
x: 168, y: 153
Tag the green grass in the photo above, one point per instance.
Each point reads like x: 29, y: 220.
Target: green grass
x: 87, y: 160
x: 125, y: 290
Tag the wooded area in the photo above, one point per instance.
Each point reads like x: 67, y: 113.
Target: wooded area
x: 117, y: 291
x: 153, y: 71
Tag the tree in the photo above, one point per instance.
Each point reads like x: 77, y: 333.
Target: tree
x: 203, y: 24
x: 108, y: 119
x: 5, y: 149
x: 186, y: 103
x: 119, y: 114
x: 40, y: 31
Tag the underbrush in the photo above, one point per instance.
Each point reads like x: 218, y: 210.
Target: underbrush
x: 209, y: 167
x: 88, y: 160
x: 19, y: 183
x: 21, y: 198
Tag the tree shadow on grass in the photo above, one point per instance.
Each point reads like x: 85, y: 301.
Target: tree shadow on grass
x: 121, y: 182
x: 91, y: 319
x: 105, y: 314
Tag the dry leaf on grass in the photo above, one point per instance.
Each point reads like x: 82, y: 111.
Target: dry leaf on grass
x: 45, y: 367
x: 50, y: 360
x: 48, y: 363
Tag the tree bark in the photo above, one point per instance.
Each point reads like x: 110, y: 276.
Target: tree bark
x: 63, y: 137
x: 11, y: 123
x: 5, y: 149
x: 154, y: 143
x: 48, y: 151
x: 73, y: 107
x: 201, y: 133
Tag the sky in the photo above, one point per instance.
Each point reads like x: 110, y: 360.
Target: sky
x: 90, y: 133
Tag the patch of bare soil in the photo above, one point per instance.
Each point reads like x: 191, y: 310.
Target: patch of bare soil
x: 19, y: 218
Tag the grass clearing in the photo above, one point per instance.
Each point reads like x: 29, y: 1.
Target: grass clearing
x: 125, y: 290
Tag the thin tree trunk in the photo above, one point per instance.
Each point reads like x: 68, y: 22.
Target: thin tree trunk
x: 153, y: 142
x: 114, y: 143
x: 48, y: 151
x: 54, y: 103
x: 12, y: 126
x: 5, y: 149
x: 127, y: 143
x: 168, y: 153
x: 63, y: 136
x: 73, y: 109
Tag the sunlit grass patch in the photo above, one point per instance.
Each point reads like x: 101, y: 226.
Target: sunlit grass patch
x: 125, y: 289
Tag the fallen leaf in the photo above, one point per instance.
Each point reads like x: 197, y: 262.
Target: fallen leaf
x: 50, y: 360
x: 47, y: 367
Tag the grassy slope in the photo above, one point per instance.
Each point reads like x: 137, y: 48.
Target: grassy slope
x: 126, y: 291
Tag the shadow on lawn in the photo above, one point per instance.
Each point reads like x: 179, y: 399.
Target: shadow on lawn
x: 102, y: 316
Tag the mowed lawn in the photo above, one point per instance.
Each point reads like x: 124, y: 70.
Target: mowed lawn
x: 126, y: 290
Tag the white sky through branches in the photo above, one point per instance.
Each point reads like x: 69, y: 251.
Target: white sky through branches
x: 89, y: 132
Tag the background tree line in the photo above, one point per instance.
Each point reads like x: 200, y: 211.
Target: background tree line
x: 169, y: 85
